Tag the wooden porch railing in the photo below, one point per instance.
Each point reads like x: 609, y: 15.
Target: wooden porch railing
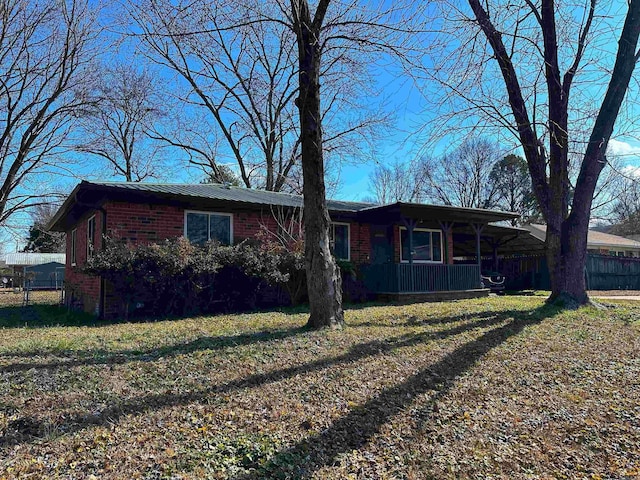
x: 419, y: 277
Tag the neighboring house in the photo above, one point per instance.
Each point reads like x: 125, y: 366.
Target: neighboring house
x: 598, y: 243
x: 613, y: 262
x: 40, y: 270
x: 400, y: 249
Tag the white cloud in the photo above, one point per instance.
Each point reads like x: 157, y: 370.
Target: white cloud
x: 631, y: 171
x: 623, y: 149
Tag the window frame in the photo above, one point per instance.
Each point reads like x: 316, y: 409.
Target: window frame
x: 208, y: 213
x: 91, y: 240
x: 332, y: 240
x: 437, y: 262
x: 74, y: 243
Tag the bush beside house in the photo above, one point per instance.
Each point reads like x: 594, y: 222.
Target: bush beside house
x: 176, y: 277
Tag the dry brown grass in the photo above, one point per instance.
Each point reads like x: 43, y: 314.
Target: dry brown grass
x: 489, y: 388
x: 11, y: 298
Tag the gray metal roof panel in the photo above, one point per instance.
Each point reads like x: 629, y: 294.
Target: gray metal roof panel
x: 228, y: 193
x: 34, y: 258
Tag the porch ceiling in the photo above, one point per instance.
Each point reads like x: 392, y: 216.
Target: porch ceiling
x: 433, y: 213
x: 509, y: 240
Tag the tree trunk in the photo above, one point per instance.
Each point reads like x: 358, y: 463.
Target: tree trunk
x: 566, y: 239
x: 323, y: 276
x: 567, y: 257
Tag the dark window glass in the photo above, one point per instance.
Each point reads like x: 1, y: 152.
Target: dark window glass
x: 427, y: 246
x: 220, y: 228
x: 73, y: 246
x: 91, y: 236
x: 421, y: 245
x: 436, y: 242
x: 202, y: 227
x: 198, y: 228
x: 341, y: 241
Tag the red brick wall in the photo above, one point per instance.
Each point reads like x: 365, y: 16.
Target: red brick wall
x: 450, y: 247
x: 82, y: 291
x: 360, y: 242
x: 148, y: 223
x: 143, y: 223
x: 396, y: 243
x: 248, y: 224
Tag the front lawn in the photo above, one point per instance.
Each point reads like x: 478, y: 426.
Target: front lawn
x: 489, y: 388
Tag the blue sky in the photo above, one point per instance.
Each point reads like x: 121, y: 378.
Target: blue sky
x: 403, y: 144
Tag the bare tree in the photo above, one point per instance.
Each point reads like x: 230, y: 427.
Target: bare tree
x: 323, y: 276
x: 44, y: 83
x: 242, y: 77
x: 118, y: 126
x: 624, y: 216
x: 397, y: 183
x: 242, y: 65
x: 462, y: 177
x: 237, y: 62
x: 554, y: 69
x: 367, y: 30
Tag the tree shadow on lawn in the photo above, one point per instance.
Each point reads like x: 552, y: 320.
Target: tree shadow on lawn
x: 75, y: 358
x: 350, y: 432
x: 407, y: 320
x: 354, y: 430
x: 110, y: 357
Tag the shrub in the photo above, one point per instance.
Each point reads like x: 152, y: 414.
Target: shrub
x: 176, y: 277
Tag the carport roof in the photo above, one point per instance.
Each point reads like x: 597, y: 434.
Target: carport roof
x: 25, y: 259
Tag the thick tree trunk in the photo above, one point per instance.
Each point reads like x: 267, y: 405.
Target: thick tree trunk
x: 567, y: 257
x: 566, y: 232
x: 323, y: 276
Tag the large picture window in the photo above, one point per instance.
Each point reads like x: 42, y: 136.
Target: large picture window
x: 200, y: 227
x: 339, y: 237
x: 427, y: 245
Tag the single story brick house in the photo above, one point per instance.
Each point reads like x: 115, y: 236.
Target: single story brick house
x: 399, y: 248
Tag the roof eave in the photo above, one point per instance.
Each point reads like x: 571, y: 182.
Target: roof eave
x: 53, y: 225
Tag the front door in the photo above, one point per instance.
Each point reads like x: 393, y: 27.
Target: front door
x: 381, y: 244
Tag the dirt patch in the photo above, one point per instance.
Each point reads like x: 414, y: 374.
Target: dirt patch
x: 614, y: 293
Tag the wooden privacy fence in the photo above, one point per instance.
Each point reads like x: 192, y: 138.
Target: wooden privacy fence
x: 406, y: 278
x: 613, y: 273
x: 602, y: 272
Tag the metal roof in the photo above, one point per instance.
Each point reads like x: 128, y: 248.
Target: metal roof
x: 594, y: 238
x: 215, y: 191
x: 34, y: 258
x: 87, y: 194
x: 438, y: 212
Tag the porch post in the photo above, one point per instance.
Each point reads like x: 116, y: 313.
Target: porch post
x: 446, y: 228
x: 477, y: 228
x: 410, y: 224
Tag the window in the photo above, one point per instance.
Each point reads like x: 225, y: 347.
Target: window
x: 200, y: 227
x: 91, y: 236
x: 339, y: 237
x: 73, y: 246
x: 427, y: 245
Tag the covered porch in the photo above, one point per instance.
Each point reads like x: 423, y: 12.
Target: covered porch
x: 412, y: 248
